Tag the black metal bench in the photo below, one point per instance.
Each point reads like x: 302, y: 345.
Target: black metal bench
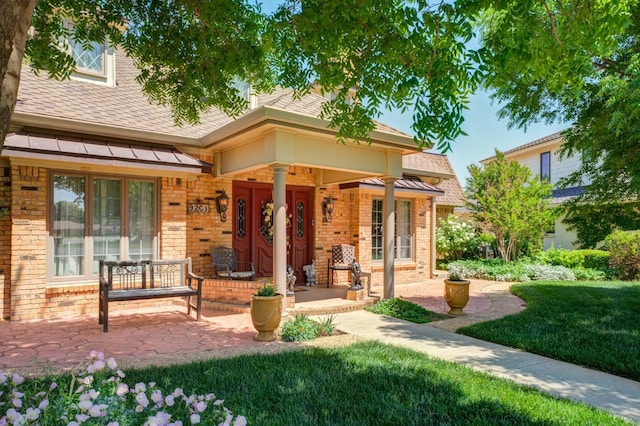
x: 147, y: 279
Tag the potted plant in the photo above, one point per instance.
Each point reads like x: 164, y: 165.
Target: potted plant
x: 456, y: 289
x: 266, y: 311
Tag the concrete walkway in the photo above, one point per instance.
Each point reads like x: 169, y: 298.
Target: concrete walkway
x: 615, y: 394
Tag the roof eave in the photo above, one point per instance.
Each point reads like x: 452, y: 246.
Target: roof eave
x: 276, y: 116
x: 109, y: 131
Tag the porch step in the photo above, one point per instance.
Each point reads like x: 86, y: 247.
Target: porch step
x: 342, y: 306
x: 334, y: 309
x: 210, y: 305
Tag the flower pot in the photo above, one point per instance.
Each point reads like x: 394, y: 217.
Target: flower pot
x: 266, y: 312
x: 456, y: 294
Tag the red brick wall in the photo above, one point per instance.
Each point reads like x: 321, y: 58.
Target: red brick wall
x: 5, y: 243
x: 28, y: 242
x: 23, y: 237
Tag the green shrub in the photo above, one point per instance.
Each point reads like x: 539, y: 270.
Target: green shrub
x: 456, y: 238
x: 549, y: 273
x: 398, y: 307
x: 596, y: 259
x: 593, y: 259
x: 498, y: 270
x: 624, y: 249
x: 589, y: 274
x: 299, y: 329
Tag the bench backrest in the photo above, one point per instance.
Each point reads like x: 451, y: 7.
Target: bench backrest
x: 127, y: 275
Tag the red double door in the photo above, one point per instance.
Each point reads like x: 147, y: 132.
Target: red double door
x: 252, y: 232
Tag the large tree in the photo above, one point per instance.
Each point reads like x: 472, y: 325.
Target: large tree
x: 511, y: 204
x: 408, y: 55
x: 590, y: 82
x: 394, y: 54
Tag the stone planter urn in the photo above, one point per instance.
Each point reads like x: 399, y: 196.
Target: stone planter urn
x: 456, y: 294
x: 266, y: 312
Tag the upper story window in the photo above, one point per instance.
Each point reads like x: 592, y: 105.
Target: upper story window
x: 89, y: 56
x: 545, y: 166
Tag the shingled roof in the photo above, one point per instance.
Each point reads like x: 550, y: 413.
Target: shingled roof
x: 437, y: 166
x: 125, y: 106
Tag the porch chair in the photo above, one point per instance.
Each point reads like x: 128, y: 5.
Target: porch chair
x: 342, y: 258
x: 226, y: 265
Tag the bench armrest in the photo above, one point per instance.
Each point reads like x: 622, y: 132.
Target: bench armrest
x: 191, y: 276
x: 104, y: 284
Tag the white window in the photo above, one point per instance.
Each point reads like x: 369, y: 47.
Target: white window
x: 403, y: 241
x: 100, y: 218
x: 90, y: 57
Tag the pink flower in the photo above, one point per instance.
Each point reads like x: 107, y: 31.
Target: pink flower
x: 122, y: 389
x: 142, y: 399
x: 195, y: 419
x: 240, y: 421
x: 17, y: 379
x: 111, y: 363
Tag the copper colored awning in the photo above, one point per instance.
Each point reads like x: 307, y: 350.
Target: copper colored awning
x: 106, y: 153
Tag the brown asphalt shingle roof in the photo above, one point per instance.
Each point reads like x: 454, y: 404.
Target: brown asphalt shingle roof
x: 125, y: 106
x: 438, y: 165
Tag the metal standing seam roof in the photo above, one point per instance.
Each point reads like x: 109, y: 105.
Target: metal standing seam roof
x: 406, y: 184
x: 86, y: 150
x: 560, y: 196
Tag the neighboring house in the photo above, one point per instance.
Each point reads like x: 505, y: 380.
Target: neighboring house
x: 93, y: 171
x: 541, y: 157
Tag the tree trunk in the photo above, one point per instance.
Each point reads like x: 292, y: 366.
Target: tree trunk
x: 15, y: 21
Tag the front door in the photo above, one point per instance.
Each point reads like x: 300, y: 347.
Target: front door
x: 252, y: 224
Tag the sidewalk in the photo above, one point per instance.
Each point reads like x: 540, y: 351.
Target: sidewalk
x: 614, y: 394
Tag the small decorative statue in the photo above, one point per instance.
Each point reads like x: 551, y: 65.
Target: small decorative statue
x: 291, y: 280
x: 310, y: 271
x: 356, y: 281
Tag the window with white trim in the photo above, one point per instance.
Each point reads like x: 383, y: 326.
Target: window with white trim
x: 96, y: 218
x: 404, y: 230
x: 90, y: 56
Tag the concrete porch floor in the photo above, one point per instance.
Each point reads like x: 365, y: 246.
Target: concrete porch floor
x: 139, y: 337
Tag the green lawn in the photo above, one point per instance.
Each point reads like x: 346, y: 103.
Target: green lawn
x: 365, y: 384
x: 593, y: 324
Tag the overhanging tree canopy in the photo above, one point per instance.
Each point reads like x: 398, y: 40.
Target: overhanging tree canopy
x: 411, y: 55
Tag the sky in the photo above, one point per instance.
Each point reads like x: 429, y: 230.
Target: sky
x: 485, y: 133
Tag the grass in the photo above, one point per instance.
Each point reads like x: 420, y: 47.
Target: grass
x: 367, y: 383
x: 406, y: 310
x: 593, y: 324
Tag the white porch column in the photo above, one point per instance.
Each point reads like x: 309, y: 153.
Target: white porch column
x: 388, y: 237
x: 280, y: 233
x: 434, y: 218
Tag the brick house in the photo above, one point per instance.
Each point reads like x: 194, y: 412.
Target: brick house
x: 91, y: 170
x: 542, y: 158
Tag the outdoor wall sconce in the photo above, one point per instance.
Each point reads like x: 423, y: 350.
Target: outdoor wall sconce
x: 197, y: 206
x: 327, y: 209
x: 222, y: 204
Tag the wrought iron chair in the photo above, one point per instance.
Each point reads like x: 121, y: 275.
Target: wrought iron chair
x: 342, y: 258
x: 226, y: 265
